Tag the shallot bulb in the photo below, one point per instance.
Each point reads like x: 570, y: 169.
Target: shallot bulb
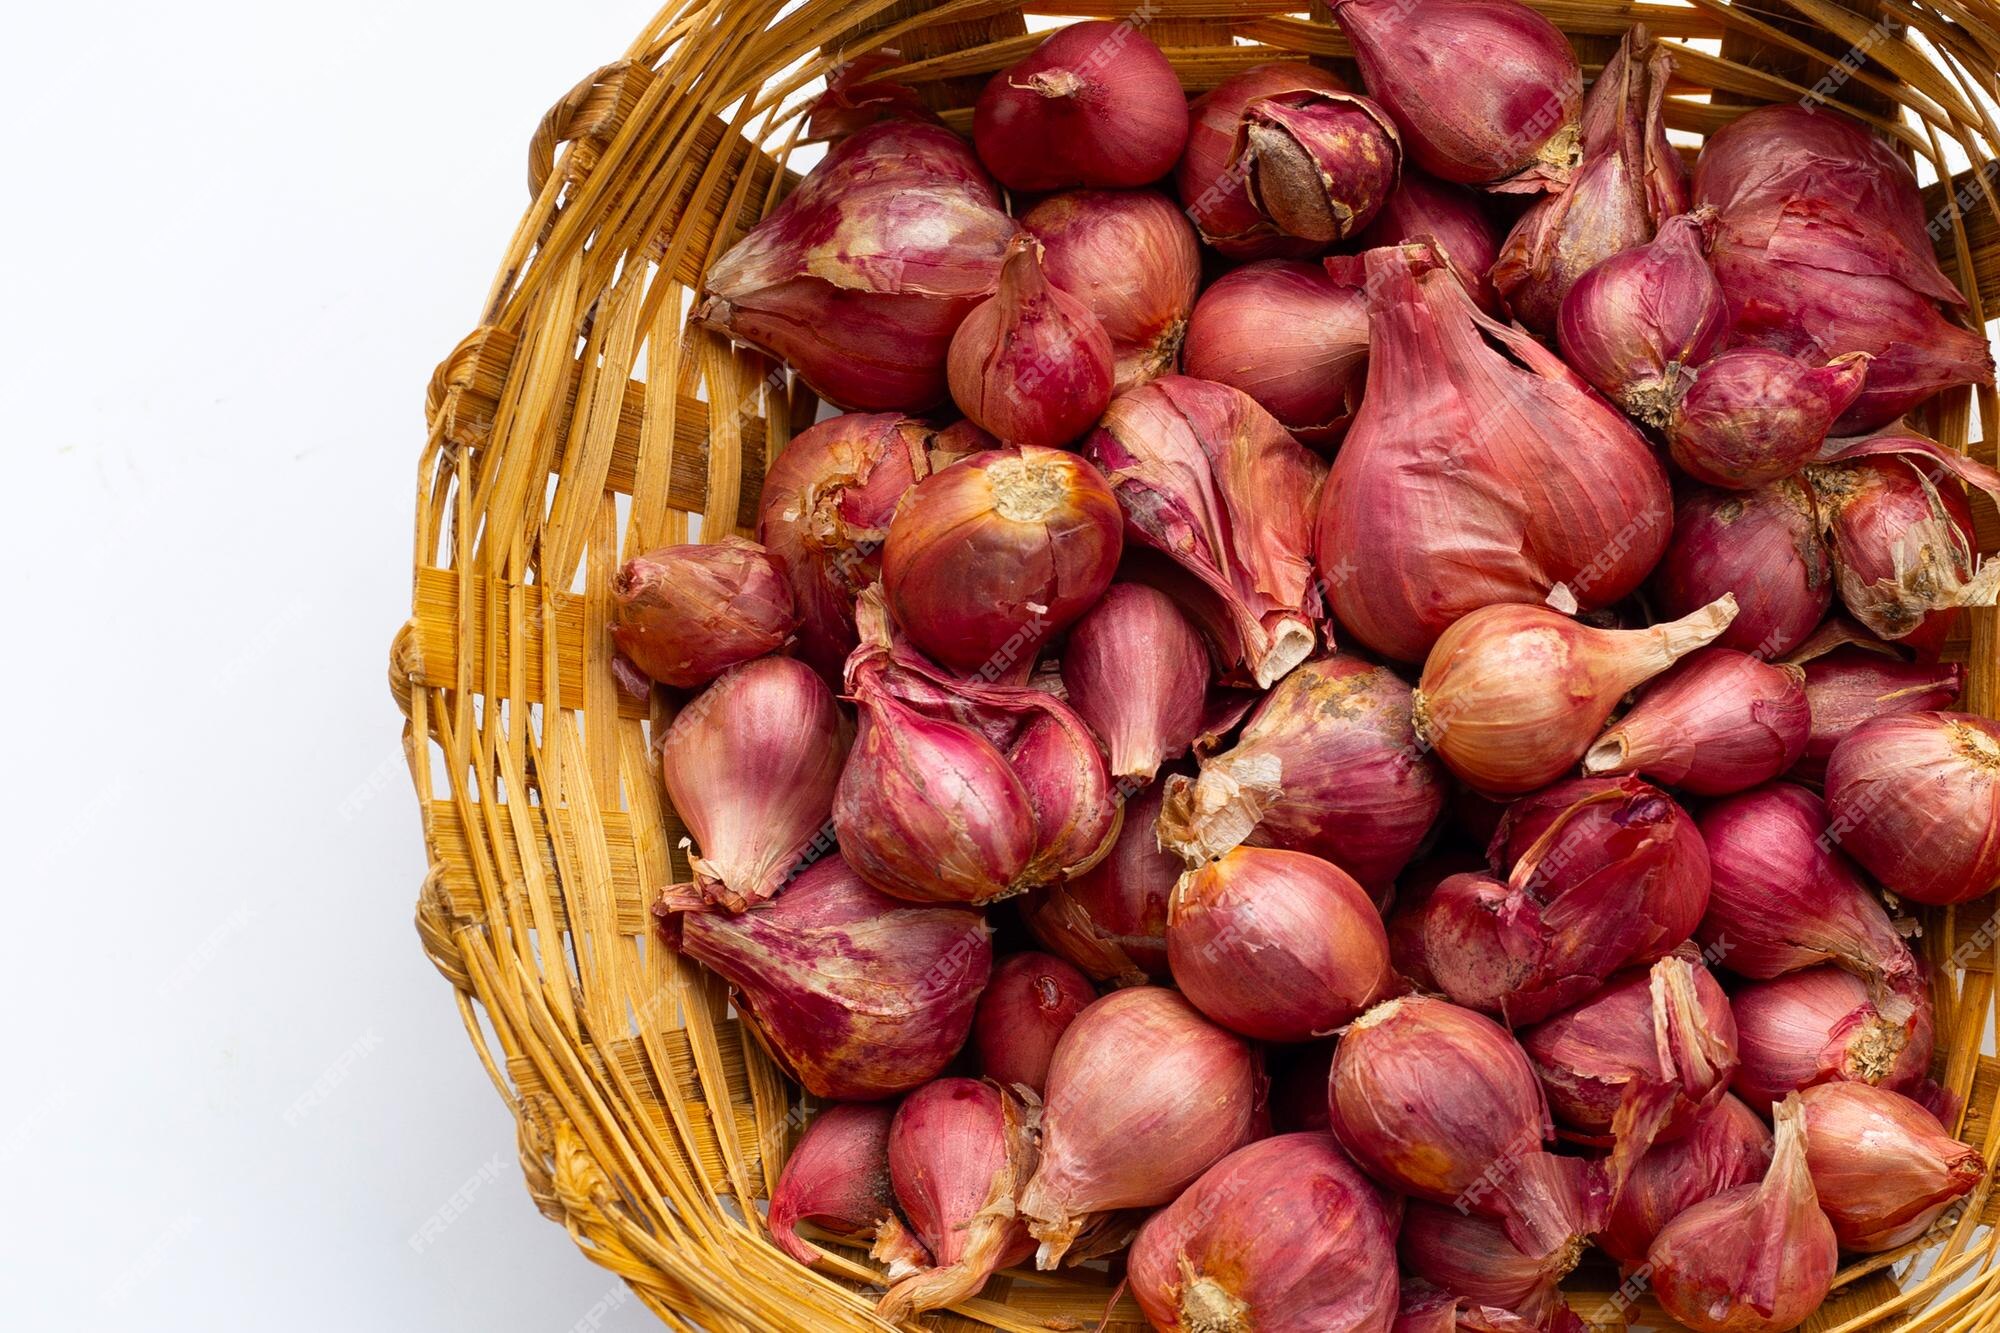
x: 1473, y: 1258
x: 1428, y: 1310
x: 1207, y: 478
x: 1885, y: 1170
x: 1782, y: 898
x: 1821, y: 1025
x: 1640, y: 1061
x: 1276, y: 945
x: 1069, y: 789
x: 1727, y: 1146
x: 1132, y: 258
x: 1282, y: 1236
x: 856, y: 994
x: 1144, y: 1094
x: 1028, y: 1005
x: 1479, y: 469
x: 1719, y: 721
x: 1763, y: 547
x: 1095, y: 105
x: 1318, y: 164
x: 1853, y: 684
x: 1823, y: 247
x: 826, y: 506
x: 1600, y: 874
x: 861, y: 276
x: 685, y: 614
x: 1486, y: 92
x: 750, y: 765
x: 1292, y: 336
x: 1629, y: 181
x: 1211, y: 177
x: 1915, y: 798
x: 1439, y: 1103
x: 1452, y: 218
x: 838, y: 1180
x: 960, y: 1149
x: 1328, y: 764
x: 1637, y: 323
x: 1512, y: 695
x: 1111, y: 921
x: 1756, y: 1259
x: 989, y: 557
x: 1033, y: 364
x: 1752, y: 416
x: 1137, y: 671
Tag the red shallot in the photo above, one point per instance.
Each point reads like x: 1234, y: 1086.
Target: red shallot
x: 1472, y: 1257
x: 1132, y: 259
x: 1318, y: 164
x: 1290, y: 334
x: 1851, y: 684
x: 685, y: 614
x: 1137, y: 671
x: 1452, y: 218
x: 1821, y: 1025
x: 1719, y: 721
x: 1915, y: 798
x: 837, y: 1178
x: 1212, y: 174
x: 1032, y: 365
x: 1111, y: 921
x: 1028, y: 1005
x: 1728, y: 1145
x: 1636, y: 324
x: 1751, y: 415
x: 1761, y: 546
x: 1885, y: 1170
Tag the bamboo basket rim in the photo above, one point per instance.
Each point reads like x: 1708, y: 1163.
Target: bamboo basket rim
x: 583, y: 416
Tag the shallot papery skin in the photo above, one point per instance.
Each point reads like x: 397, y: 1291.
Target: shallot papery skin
x: 856, y: 98
x: 1137, y: 671
x: 1486, y: 92
x: 1915, y: 798
x: 1851, y: 685
x: 1756, y: 1259
x: 1638, y: 1062
x: 1472, y: 1258
x: 685, y: 614
x: 1821, y: 1025
x: 1764, y: 548
x: 1783, y: 898
x: 751, y: 764
x: 1439, y: 1103
x: 988, y: 558
x: 1727, y: 1146
x: 1824, y: 248
x: 1635, y: 324
x: 1601, y: 874
x: 1318, y: 164
x: 1032, y: 365
x: 1028, y: 1005
x: 1144, y: 1094
x: 1282, y: 1236
x: 1292, y: 336
x: 1274, y: 945
x: 1630, y: 180
x: 1328, y: 764
x: 838, y: 1180
x: 824, y: 513
x: 1132, y: 258
x: 1717, y: 722
x: 960, y: 1149
x: 1751, y: 415
x: 1452, y: 218
x: 861, y: 276
x: 1095, y: 105
x: 1210, y: 176
x: 1885, y: 1170
x: 1479, y: 470
x: 1210, y: 480
x: 1512, y: 695
x: 857, y: 994
x: 1111, y: 921
x: 1428, y: 1310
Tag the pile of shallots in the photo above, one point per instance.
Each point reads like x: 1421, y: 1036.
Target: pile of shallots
x: 1352, y: 707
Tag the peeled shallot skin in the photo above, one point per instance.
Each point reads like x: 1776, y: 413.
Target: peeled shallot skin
x: 1885, y: 1170
x: 1915, y: 798
x: 1282, y: 1236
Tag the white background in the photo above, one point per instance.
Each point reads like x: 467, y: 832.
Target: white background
x: 234, y: 240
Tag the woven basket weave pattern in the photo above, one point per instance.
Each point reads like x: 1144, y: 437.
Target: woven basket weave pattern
x: 582, y: 418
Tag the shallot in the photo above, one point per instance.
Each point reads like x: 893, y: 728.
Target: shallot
x: 1636, y: 324
x: 1292, y: 335
x: 1885, y: 1170
x: 685, y: 614
x: 1728, y: 1145
x: 1915, y: 798
x: 1131, y: 257
x: 1824, y: 1025
x: 1452, y: 218
x: 1852, y: 683
x: 837, y: 1178
x: 1719, y: 721
x: 1111, y: 921
x: 1033, y: 365
x: 1211, y: 175
x: 1027, y: 1006
x: 1094, y: 105
x: 1752, y: 415
x: 1764, y: 548
x: 1137, y: 671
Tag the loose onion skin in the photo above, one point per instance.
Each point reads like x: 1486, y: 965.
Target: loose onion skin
x: 1719, y: 721
x: 1727, y: 1146
x: 1290, y: 334
x: 1823, y: 1025
x: 686, y: 614
x: 861, y: 276
x: 992, y: 555
x: 1096, y: 105
x: 1209, y: 177
x: 1032, y: 365
x: 1915, y: 798
x: 1853, y: 684
x: 1637, y: 323
x: 1283, y: 1236
x: 837, y: 1178
x: 1764, y: 548
x: 1274, y: 945
x: 1883, y: 1167
x: 1027, y: 1006
x: 1132, y: 258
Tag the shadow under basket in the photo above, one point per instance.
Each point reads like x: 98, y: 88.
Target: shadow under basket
x: 583, y: 418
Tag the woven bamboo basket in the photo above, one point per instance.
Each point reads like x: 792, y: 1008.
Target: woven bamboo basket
x: 583, y: 418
